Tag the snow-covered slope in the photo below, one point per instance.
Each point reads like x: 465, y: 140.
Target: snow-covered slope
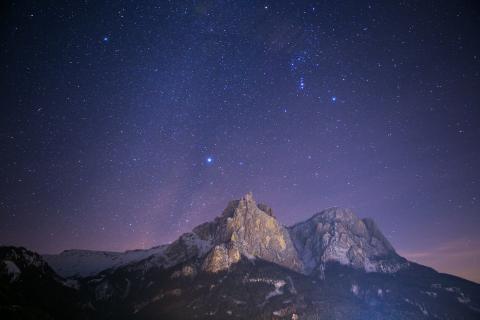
x: 83, y: 263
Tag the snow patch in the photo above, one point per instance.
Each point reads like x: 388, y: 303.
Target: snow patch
x: 142, y: 305
x: 71, y: 283
x: 418, y: 305
x: 291, y: 286
x: 355, y: 289
x: 430, y: 293
x: 463, y: 298
x: 250, y: 257
x: 423, y: 309
x: 279, y: 284
x: 238, y: 302
x: 98, y: 279
x: 12, y: 269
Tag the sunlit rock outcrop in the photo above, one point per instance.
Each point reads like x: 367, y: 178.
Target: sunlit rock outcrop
x: 245, y: 228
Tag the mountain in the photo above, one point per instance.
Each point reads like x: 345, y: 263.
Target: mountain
x: 30, y: 289
x: 83, y: 263
x: 245, y: 229
x: 245, y: 264
x: 337, y: 234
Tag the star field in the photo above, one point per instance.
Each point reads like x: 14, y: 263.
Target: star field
x: 126, y: 124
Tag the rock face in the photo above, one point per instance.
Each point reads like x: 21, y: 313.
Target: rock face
x: 220, y: 258
x: 338, y: 235
x: 243, y: 228
x: 13, y: 261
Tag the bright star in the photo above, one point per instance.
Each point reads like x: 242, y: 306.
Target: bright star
x: 301, y: 84
x: 105, y: 39
x: 209, y: 159
x: 334, y: 99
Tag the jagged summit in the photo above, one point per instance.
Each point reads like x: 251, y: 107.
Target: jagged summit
x: 248, y: 202
x: 338, y: 235
x: 334, y: 214
x: 245, y: 228
x: 333, y: 235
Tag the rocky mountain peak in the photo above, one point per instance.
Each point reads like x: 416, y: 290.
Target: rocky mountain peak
x: 248, y: 204
x: 336, y: 214
x: 16, y: 260
x: 248, y: 229
x: 244, y: 228
x: 338, y: 235
x: 333, y: 235
x: 248, y: 199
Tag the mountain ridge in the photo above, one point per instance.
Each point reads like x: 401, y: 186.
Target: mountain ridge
x: 245, y: 264
x: 243, y: 227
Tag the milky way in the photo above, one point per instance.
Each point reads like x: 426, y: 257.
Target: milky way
x: 125, y: 124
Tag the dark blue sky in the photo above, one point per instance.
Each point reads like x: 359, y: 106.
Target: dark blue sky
x: 125, y: 124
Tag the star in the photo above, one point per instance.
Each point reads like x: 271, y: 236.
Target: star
x: 153, y: 107
x: 301, y: 84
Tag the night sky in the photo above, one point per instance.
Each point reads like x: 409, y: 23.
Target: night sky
x: 125, y: 124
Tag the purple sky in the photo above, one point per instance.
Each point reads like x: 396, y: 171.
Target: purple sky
x: 124, y: 125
